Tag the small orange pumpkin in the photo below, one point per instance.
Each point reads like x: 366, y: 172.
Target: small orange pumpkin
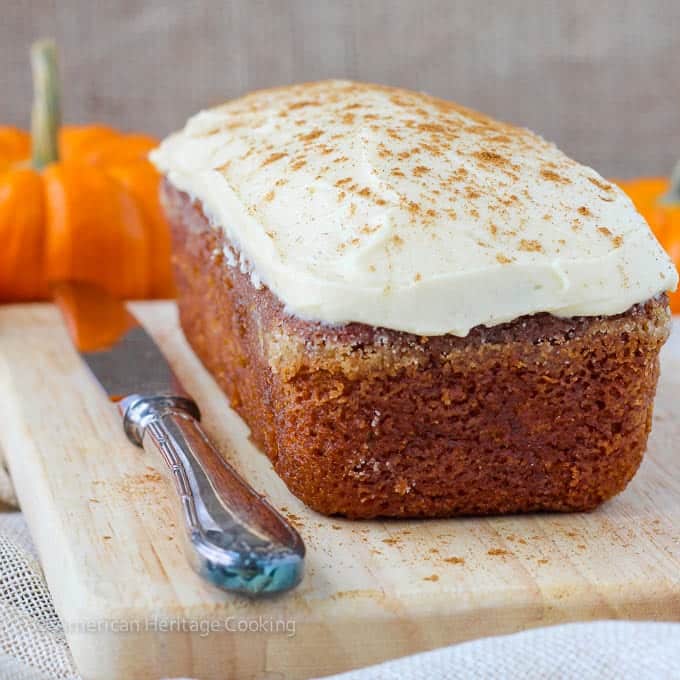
x: 657, y: 199
x: 78, y: 203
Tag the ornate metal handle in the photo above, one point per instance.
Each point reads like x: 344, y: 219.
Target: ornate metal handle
x: 235, y: 539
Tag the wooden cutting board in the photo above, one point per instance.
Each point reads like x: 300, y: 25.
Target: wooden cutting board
x: 101, y: 517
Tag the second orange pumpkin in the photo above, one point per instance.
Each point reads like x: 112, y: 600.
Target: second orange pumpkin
x: 657, y: 199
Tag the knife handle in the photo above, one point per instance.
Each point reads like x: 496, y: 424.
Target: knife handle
x: 235, y: 539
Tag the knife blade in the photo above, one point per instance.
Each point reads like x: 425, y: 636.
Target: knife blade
x: 234, y: 537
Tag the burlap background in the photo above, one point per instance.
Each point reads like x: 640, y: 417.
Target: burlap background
x: 597, y: 77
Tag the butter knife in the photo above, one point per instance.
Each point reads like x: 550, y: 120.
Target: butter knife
x: 234, y: 538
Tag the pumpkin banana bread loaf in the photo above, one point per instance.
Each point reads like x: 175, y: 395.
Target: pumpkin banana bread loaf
x: 419, y: 311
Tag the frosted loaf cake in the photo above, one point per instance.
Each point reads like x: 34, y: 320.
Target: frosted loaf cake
x: 419, y: 311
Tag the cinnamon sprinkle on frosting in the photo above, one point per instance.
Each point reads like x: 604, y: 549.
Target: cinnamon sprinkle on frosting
x: 446, y: 193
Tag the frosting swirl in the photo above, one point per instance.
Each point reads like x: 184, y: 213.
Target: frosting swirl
x: 357, y: 202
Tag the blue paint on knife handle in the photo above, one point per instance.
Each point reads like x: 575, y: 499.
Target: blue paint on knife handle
x: 269, y: 574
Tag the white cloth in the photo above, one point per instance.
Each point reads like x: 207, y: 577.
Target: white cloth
x: 32, y: 642
x: 607, y: 650
x: 33, y: 646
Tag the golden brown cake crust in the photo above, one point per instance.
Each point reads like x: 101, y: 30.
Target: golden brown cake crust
x: 538, y: 414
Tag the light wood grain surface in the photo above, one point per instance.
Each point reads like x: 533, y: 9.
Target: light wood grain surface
x: 598, y: 78
x: 100, y: 513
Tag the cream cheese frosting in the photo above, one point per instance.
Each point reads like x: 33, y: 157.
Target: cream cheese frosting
x: 357, y: 202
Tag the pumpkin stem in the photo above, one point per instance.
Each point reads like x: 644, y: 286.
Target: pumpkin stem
x: 46, y: 115
x: 673, y: 193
